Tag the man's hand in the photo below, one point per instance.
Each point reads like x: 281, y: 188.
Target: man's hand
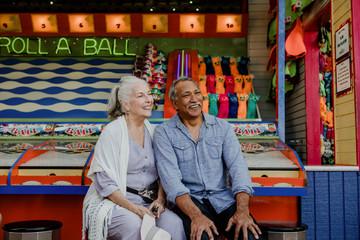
x: 242, y: 219
x: 243, y: 222
x: 199, y: 224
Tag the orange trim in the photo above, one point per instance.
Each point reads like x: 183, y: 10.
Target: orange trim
x: 28, y: 155
x: 45, y: 180
x: 269, y: 182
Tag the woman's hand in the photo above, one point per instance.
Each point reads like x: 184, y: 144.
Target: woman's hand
x: 159, y: 205
x: 141, y: 211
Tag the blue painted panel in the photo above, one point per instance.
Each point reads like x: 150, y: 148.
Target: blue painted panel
x: 331, y: 208
x: 351, y: 205
x: 322, y: 205
x: 308, y: 207
x: 337, y: 228
x: 281, y: 70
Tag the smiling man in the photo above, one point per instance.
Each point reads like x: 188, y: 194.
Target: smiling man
x: 195, y: 152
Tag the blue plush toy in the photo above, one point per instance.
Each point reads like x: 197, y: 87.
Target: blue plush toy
x: 251, y: 108
x: 233, y: 105
x: 213, y: 107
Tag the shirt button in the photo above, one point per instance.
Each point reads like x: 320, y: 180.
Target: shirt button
x: 197, y: 147
x: 143, y: 170
x: 145, y: 157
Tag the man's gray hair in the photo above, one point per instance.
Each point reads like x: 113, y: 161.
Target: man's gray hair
x: 173, y: 91
x: 121, y: 92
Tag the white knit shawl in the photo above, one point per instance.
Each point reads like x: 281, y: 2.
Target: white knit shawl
x: 111, y: 155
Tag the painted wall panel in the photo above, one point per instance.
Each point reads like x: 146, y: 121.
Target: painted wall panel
x: 337, y: 226
x: 322, y: 205
x: 308, y: 208
x: 331, y: 206
x: 351, y: 206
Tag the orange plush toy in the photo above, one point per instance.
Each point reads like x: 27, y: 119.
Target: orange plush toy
x: 233, y: 67
x: 202, y: 66
x: 220, y: 84
x: 329, y: 119
x: 238, y: 83
x: 205, y: 104
x: 202, y: 85
x: 217, y: 65
x: 242, y: 110
x: 248, y: 82
x: 323, y: 107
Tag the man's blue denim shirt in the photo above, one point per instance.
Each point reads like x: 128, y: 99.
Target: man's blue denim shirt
x: 200, y: 169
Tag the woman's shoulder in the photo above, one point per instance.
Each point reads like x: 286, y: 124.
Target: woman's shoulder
x: 113, y: 127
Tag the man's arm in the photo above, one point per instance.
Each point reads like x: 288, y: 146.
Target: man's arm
x: 167, y: 166
x: 242, y: 219
x: 199, y: 222
x: 241, y: 186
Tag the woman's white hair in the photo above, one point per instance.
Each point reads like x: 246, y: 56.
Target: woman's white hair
x: 121, y: 93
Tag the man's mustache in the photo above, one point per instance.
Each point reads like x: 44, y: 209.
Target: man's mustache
x: 195, y: 105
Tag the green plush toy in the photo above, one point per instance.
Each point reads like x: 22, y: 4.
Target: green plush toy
x: 251, y: 108
x: 213, y: 107
x: 322, y: 85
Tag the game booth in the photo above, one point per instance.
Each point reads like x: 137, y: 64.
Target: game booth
x: 56, y: 74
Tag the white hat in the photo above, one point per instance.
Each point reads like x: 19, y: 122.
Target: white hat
x: 149, y: 231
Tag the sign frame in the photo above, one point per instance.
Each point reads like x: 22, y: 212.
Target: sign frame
x: 342, y: 40
x: 343, y: 77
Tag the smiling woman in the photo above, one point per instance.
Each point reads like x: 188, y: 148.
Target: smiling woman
x: 123, y: 167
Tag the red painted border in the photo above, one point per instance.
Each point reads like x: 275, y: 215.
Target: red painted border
x: 355, y: 8
x: 136, y: 27
x: 312, y: 98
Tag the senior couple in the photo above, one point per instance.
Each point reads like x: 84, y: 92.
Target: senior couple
x: 137, y: 170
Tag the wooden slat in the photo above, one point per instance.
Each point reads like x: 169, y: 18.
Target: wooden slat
x: 336, y: 197
x: 346, y: 133
x: 261, y: 7
x: 337, y: 4
x: 351, y: 205
x: 345, y: 158
x: 345, y: 108
x: 308, y: 207
x: 339, y: 9
x: 345, y: 121
x: 321, y: 204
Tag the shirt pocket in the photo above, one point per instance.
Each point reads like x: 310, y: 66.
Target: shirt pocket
x: 214, y: 147
x: 184, y: 151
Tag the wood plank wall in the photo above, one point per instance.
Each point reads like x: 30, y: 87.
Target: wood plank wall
x: 344, y: 106
x: 331, y: 208
x: 295, y: 115
x: 259, y: 54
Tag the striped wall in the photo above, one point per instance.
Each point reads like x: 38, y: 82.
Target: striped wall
x: 259, y: 54
x: 344, y: 106
x: 295, y: 115
x: 51, y: 88
x: 331, y: 208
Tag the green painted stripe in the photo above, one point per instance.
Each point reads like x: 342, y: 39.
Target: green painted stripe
x: 182, y: 62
